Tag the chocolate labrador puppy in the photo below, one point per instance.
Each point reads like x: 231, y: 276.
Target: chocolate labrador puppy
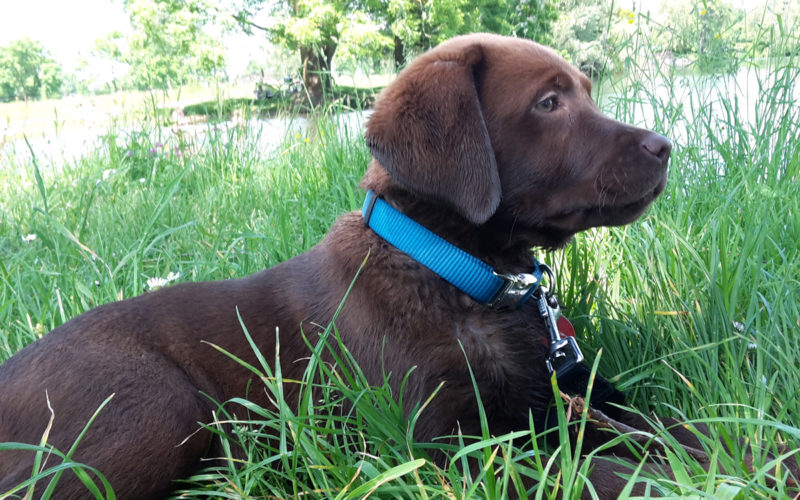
x: 485, y: 147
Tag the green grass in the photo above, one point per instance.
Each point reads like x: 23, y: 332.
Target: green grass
x: 345, y: 98
x: 696, y: 307
x: 57, y: 116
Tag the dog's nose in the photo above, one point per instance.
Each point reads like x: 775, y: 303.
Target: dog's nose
x: 657, y: 145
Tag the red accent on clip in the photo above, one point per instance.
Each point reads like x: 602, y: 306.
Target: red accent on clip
x: 565, y: 327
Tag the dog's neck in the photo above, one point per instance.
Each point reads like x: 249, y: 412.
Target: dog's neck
x: 499, y: 242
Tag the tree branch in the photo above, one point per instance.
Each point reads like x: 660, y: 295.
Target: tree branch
x: 239, y: 18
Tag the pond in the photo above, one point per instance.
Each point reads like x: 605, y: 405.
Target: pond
x: 751, y: 98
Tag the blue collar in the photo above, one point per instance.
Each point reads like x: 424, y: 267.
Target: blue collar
x: 462, y: 270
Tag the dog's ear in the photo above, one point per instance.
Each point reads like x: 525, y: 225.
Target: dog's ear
x: 429, y: 133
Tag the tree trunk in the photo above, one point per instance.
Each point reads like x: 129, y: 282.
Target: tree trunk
x: 317, y: 77
x: 399, y: 53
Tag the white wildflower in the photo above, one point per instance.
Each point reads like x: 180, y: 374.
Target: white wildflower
x: 156, y: 282
x: 29, y: 237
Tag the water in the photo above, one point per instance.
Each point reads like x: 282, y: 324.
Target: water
x: 57, y: 149
x: 752, y: 98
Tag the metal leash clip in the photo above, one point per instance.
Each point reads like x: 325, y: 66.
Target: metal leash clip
x: 564, y: 352
x: 514, y: 290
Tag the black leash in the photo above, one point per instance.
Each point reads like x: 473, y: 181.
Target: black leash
x: 575, y: 379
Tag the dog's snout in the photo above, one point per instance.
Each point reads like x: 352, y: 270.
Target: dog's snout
x: 657, y: 145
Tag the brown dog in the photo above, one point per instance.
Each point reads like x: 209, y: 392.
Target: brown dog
x: 492, y: 143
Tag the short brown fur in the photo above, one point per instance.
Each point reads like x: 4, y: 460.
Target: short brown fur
x: 463, y: 142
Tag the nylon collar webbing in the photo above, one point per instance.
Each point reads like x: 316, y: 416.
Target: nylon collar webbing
x: 462, y: 270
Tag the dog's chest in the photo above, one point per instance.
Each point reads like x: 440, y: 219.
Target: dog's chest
x: 500, y: 336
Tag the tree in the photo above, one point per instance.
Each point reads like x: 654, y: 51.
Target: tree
x: 170, y: 44
x: 315, y: 29
x: 28, y: 72
x: 363, y: 44
x: 417, y: 25
x: 365, y: 29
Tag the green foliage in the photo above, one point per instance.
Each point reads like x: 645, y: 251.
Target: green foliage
x: 598, y: 38
x: 774, y: 30
x: 361, y: 34
x: 308, y: 23
x: 531, y: 19
x: 171, y: 44
x: 363, y: 46
x: 417, y: 26
x: 28, y: 72
x: 281, y: 104
x: 581, y: 35
x: 709, y: 30
x: 699, y: 27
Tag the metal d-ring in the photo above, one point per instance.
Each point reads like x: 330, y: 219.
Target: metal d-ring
x: 551, y: 283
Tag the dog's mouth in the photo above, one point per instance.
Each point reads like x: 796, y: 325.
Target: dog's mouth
x: 610, y: 212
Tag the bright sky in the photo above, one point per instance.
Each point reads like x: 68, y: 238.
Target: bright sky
x: 68, y: 29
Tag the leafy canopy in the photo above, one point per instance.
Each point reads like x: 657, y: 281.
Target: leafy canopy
x: 28, y: 72
x: 171, y: 44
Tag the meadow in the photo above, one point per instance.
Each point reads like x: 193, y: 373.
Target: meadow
x: 694, y: 310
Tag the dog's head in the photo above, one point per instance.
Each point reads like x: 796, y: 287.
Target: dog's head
x: 499, y: 128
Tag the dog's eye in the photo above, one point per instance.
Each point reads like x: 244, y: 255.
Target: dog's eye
x: 546, y: 105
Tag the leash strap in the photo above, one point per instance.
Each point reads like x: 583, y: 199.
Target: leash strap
x: 576, y: 380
